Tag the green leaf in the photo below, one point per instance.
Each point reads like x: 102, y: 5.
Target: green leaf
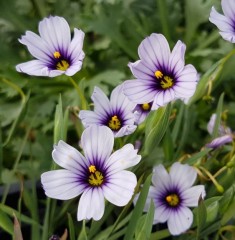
x: 201, y: 217
x: 61, y: 121
x: 156, y: 126
x: 197, y: 156
x: 6, y: 223
x: 145, y: 223
x: 209, y: 77
x: 83, y: 233
x: 71, y: 227
x: 137, y: 212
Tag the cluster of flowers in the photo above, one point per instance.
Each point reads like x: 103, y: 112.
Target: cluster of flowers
x: 161, y: 77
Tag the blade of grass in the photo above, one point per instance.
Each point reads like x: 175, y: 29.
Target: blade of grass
x: 137, y: 212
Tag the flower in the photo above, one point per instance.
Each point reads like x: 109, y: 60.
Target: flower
x: 220, y: 141
x: 97, y: 175
x: 226, y: 22
x: 222, y: 128
x: 162, y: 76
x: 172, y: 194
x: 141, y: 111
x: 117, y: 113
x: 54, y: 50
x: 225, y: 133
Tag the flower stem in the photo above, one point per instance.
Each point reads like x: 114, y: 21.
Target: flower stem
x: 80, y: 93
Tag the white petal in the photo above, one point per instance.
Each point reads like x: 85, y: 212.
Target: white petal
x: 176, y: 61
x: 56, y: 32
x: 188, y: 74
x: 155, y: 51
x: 182, y: 175
x: 162, y: 98
x: 69, y: 158
x: 222, y: 22
x: 191, y: 196
x: 120, y: 103
x: 101, y: 102
x: 122, y: 159
x: 89, y: 118
x: 61, y: 184
x: 75, y: 67
x: 97, y: 143
x: 76, y: 45
x: 161, y: 178
x: 161, y: 214
x: 139, y: 91
x: 228, y: 8
x: 180, y: 220
x: 141, y: 70
x: 91, y: 205
x: 120, y: 188
x: 126, y: 130
x: 36, y: 46
x: 33, y: 67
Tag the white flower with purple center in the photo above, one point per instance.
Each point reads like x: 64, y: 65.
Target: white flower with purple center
x: 117, y: 113
x: 98, y: 175
x: 141, y: 111
x: 172, y: 194
x: 226, y: 22
x: 54, y: 50
x: 162, y: 75
x: 225, y: 134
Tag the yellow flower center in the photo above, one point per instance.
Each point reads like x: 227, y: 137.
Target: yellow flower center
x: 146, y: 106
x: 173, y: 200
x: 165, y: 81
x: 57, y: 54
x: 96, y: 177
x: 62, y: 65
x: 115, y: 123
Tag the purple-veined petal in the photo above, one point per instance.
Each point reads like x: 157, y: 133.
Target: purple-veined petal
x: 97, y: 143
x: 122, y: 159
x: 180, y: 220
x: 36, y: 46
x: 161, y: 178
x: 68, y: 157
x: 188, y: 74
x: 182, y: 175
x: 33, y: 67
x: 155, y: 51
x: 162, y: 98
x: 120, y: 187
x: 220, y: 141
x: 76, y: 45
x: 191, y: 196
x: 176, y: 61
x: 228, y: 36
x: 89, y: 118
x: 161, y: 214
x: 126, y: 130
x: 75, y: 67
x: 228, y: 8
x: 61, y: 184
x: 119, y: 101
x: 56, y: 32
x: 91, y: 205
x: 141, y: 70
x: 139, y: 91
x: 101, y: 102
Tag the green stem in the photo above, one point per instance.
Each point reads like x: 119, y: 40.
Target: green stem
x: 80, y: 93
x: 229, y: 55
x: 16, y: 163
x: 14, y: 86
